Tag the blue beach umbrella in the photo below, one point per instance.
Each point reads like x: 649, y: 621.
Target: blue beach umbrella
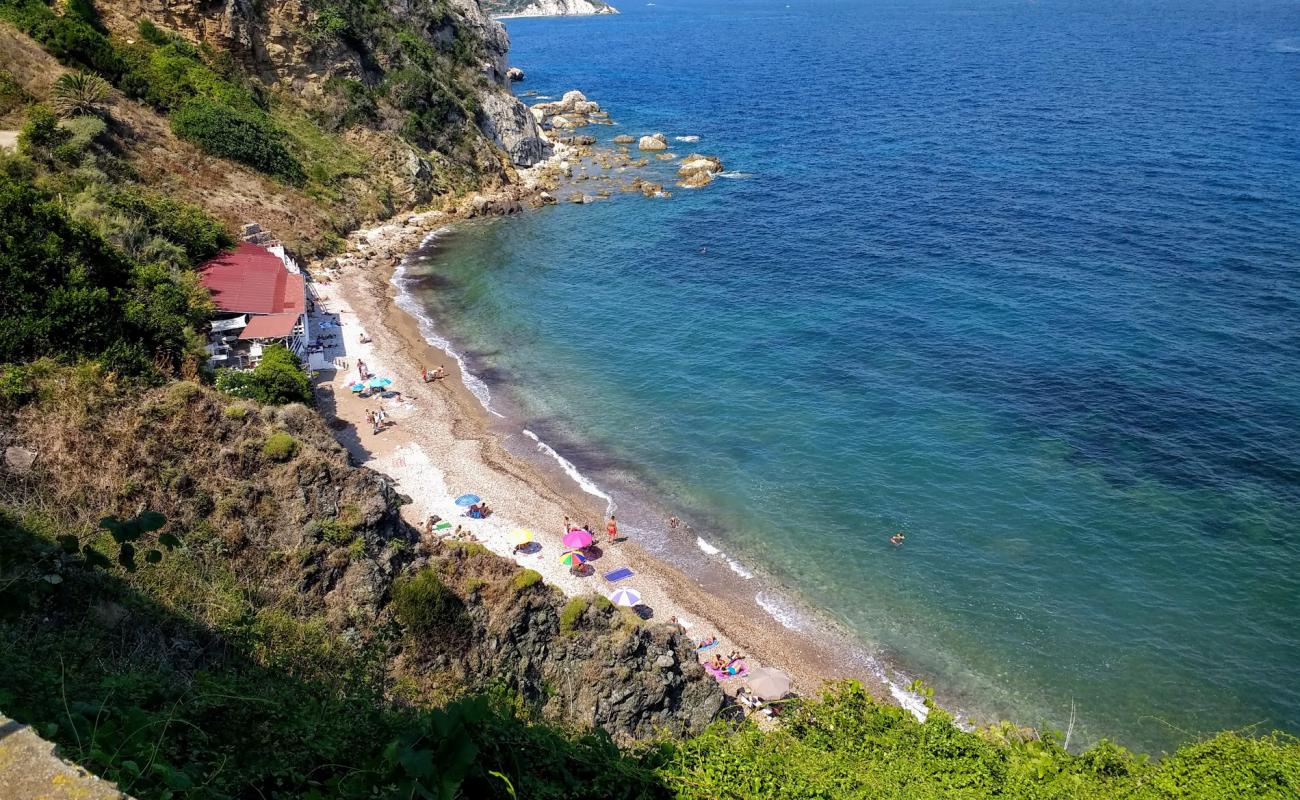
x: 625, y: 597
x: 356, y: 387
x: 467, y: 500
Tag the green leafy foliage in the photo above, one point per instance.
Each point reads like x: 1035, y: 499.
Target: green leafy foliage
x: 65, y: 292
x: 79, y: 94
x: 277, y: 379
x: 526, y: 579
x: 279, y: 446
x: 426, y: 606
x: 12, y: 94
x: 246, y: 137
x: 572, y: 613
x: 70, y: 38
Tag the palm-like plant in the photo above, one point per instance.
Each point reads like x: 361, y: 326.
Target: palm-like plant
x: 78, y: 94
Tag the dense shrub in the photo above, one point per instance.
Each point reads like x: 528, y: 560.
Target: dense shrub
x: 12, y: 94
x: 277, y: 379
x: 426, y: 606
x: 527, y: 578
x: 245, y: 137
x: 279, y: 446
x: 67, y: 293
x: 186, y: 225
x: 79, y: 94
x: 69, y: 38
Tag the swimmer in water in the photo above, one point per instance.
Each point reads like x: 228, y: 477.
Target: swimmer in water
x: 897, y: 539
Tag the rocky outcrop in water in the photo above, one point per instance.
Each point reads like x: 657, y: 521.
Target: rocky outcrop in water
x: 654, y: 141
x: 697, y: 170
x: 547, y: 8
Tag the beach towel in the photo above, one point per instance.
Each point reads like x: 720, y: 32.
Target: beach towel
x: 708, y: 646
x: 740, y: 667
x: 619, y: 574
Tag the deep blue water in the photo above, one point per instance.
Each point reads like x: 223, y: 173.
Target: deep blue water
x: 1021, y: 279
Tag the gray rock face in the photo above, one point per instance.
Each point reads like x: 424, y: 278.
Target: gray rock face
x: 507, y: 122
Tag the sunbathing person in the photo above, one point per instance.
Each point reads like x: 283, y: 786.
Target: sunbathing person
x: 719, y: 663
x: 709, y: 642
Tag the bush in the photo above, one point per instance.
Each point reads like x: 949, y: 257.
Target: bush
x: 526, y: 579
x: 12, y: 94
x: 239, y: 136
x: 424, y: 604
x: 79, y: 94
x: 280, y: 447
x: 183, y: 224
x: 70, y: 38
x: 277, y: 379
x: 66, y: 293
x: 572, y: 613
x: 41, y: 136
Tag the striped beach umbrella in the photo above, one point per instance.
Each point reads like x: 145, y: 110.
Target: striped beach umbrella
x: 573, y: 559
x: 521, y: 536
x: 626, y: 597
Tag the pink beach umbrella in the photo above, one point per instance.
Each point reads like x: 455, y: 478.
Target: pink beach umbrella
x: 577, y: 539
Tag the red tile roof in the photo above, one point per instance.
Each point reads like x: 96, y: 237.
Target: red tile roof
x: 270, y: 326
x: 252, y: 280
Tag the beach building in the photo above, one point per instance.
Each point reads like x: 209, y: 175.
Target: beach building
x: 261, y: 299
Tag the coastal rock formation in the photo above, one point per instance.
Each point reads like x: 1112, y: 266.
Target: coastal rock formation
x: 278, y: 42
x: 624, y: 138
x: 547, y: 8
x: 573, y: 110
x: 514, y: 74
x: 697, y: 170
x: 654, y: 141
x: 510, y: 125
x: 325, y: 541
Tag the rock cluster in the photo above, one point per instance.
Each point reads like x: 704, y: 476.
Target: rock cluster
x: 514, y: 74
x: 573, y: 110
x: 697, y: 170
x: 654, y: 141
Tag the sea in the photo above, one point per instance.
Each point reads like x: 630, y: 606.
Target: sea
x: 1019, y: 279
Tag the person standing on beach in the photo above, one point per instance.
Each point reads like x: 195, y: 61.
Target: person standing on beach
x: 611, y: 528
x: 568, y: 526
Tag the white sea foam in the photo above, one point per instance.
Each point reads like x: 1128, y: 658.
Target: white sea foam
x: 1287, y: 45
x: 780, y: 610
x: 739, y: 569
x: 569, y: 469
x: 909, y: 700
x: 706, y: 547
x: 737, y: 176
x: 691, y: 138
x: 407, y: 302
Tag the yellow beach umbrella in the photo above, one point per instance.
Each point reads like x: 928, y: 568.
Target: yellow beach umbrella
x: 521, y: 536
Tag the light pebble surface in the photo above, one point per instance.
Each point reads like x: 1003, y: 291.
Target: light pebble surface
x: 444, y: 444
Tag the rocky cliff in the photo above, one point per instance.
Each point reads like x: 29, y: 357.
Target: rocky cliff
x: 303, y: 532
x: 307, y: 51
x: 547, y: 8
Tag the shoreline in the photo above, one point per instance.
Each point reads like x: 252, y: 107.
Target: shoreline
x: 446, y: 442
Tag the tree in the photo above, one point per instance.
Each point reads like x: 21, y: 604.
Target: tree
x: 277, y: 379
x: 79, y: 94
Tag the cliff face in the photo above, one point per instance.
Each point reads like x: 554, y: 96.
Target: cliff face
x: 548, y: 8
x: 303, y: 52
x: 311, y: 534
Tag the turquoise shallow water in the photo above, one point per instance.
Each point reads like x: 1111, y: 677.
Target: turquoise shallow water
x: 1019, y: 279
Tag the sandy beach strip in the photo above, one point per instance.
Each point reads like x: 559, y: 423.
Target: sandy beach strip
x: 443, y: 443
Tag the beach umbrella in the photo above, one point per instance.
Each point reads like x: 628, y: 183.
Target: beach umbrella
x: 467, y: 500
x: 769, y: 683
x: 573, y: 559
x: 356, y: 387
x: 379, y: 383
x: 626, y: 597
x: 521, y: 536
x: 576, y: 539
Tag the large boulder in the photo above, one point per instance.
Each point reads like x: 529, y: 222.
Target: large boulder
x: 623, y: 138
x: 655, y: 141
x: 508, y: 123
x: 514, y: 74
x: 697, y: 170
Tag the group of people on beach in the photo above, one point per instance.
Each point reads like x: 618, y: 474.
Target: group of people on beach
x: 429, y: 377
x: 611, y: 528
x: 479, y: 511
x: 378, y: 420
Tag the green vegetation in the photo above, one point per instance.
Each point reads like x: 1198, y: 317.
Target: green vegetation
x: 277, y: 379
x: 572, y: 613
x: 12, y: 95
x: 527, y: 578
x: 279, y: 446
x: 248, y: 138
x: 68, y: 293
x: 79, y: 94
x: 424, y: 604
